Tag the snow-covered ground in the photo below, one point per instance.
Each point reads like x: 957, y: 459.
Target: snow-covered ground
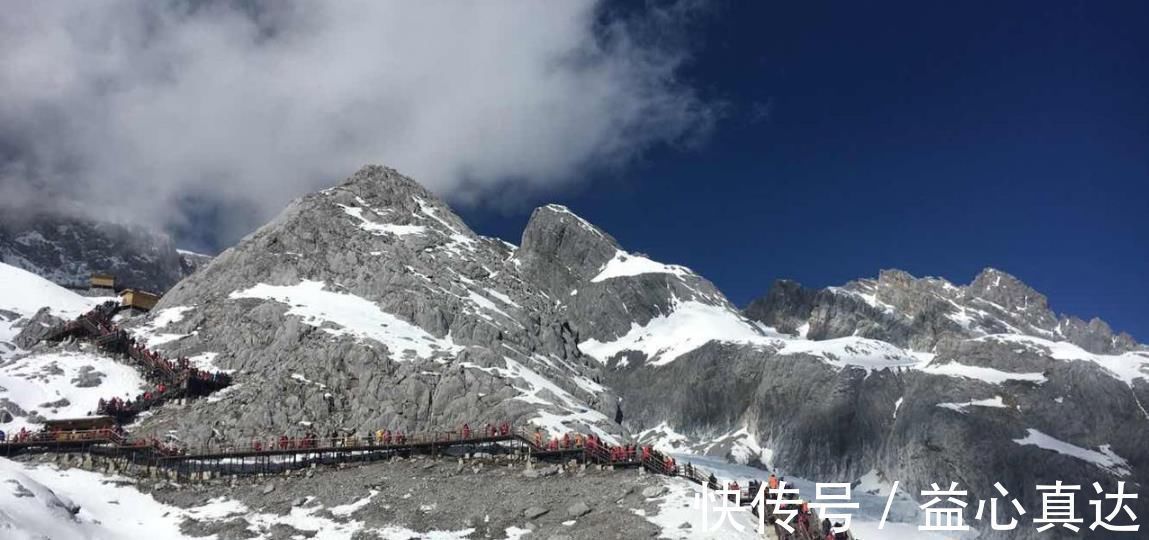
x: 46, y: 384
x: 56, y: 384
x: 23, y: 293
x: 38, y: 502
x: 681, y: 506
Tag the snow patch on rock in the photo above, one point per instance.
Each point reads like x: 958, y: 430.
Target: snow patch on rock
x: 869, y: 354
x: 626, y: 264
x: 1126, y: 367
x: 989, y: 375
x: 689, y: 326
x: 995, y: 402
x: 665, y: 439
x: 378, y: 228
x: 151, y: 333
x: 1105, y: 458
x: 351, y: 315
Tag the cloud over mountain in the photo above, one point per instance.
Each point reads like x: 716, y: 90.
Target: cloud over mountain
x: 189, y: 105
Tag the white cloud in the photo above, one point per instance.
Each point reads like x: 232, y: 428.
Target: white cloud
x: 209, y: 101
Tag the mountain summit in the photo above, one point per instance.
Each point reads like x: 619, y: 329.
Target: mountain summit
x: 918, y: 313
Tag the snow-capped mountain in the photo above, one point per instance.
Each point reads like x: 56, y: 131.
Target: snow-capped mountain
x: 619, y: 301
x: 918, y: 313
x: 67, y: 250
x: 371, y: 304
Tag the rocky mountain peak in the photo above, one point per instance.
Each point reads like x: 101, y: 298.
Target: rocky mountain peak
x: 1096, y: 336
x: 1007, y: 291
x: 384, y: 186
x: 376, y: 305
x: 892, y: 277
x: 788, y: 304
x: 559, y: 249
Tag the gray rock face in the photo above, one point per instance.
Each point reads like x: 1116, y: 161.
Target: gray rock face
x: 1020, y: 432
x: 36, y: 328
x: 371, y: 305
x: 68, y: 250
x: 1095, y: 335
x: 654, y: 491
x: 578, y: 509
x: 832, y: 413
x: 560, y: 250
x: 593, y: 279
x: 190, y: 261
x: 534, y: 512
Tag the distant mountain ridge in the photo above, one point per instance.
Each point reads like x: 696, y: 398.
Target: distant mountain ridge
x: 67, y: 250
x: 917, y: 313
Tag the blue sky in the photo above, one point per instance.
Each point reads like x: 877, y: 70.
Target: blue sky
x: 935, y: 137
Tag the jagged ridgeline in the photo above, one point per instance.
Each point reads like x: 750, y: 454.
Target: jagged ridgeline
x: 371, y: 304
x: 68, y: 249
